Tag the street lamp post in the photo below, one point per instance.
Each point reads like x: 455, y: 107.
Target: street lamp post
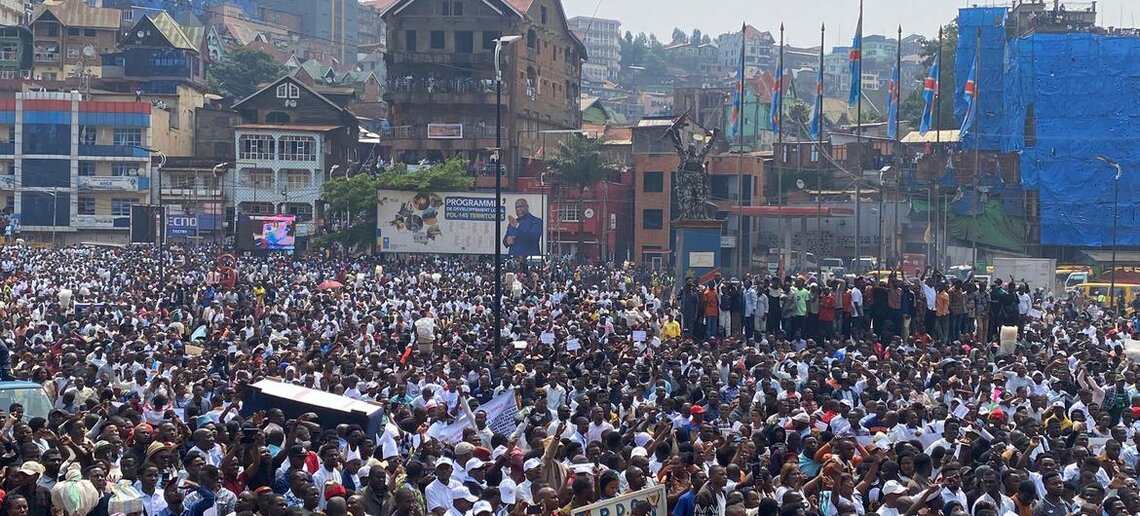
x: 159, y: 217
x: 496, y: 331
x: 1115, y: 209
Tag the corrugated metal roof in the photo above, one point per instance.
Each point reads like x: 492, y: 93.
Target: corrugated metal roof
x: 75, y: 13
x: 173, y: 32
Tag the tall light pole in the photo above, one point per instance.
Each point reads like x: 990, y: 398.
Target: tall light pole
x: 496, y: 330
x: 160, y: 218
x: 1115, y: 209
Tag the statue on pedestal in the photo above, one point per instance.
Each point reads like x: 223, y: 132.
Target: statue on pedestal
x: 691, y: 182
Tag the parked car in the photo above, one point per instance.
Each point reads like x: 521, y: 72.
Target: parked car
x: 29, y: 394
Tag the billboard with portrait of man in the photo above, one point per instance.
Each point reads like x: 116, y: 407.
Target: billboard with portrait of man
x: 460, y: 223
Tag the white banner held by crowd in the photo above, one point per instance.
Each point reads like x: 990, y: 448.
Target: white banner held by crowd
x: 623, y: 505
x: 500, y: 411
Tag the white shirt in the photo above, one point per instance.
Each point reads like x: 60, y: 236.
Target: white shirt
x: 438, y: 494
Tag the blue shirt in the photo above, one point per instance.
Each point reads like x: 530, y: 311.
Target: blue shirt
x: 528, y: 235
x: 685, y: 504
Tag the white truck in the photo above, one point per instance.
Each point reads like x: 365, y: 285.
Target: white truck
x: 1037, y: 272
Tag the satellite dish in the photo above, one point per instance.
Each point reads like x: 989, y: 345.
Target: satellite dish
x: 700, y: 138
x: 140, y: 34
x: 133, y: 172
x: 800, y: 184
x: 89, y: 51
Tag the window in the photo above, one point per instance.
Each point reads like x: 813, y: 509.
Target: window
x: 814, y: 153
x: 298, y: 179
x: 87, y: 205
x: 568, y: 212
x: 288, y: 91
x: 256, y: 146
x: 46, y: 54
x: 465, y: 41
x: 259, y: 178
x: 257, y: 208
x: 86, y: 168
x: 72, y: 52
x: 452, y: 8
x: 120, y: 168
x: 121, y: 207
x: 303, y: 211
x: 86, y: 135
x: 542, y: 11
x: 9, y: 51
x: 438, y: 39
x: 653, y: 182
x: 89, y: 33
x: 298, y: 148
x: 652, y: 219
x: 128, y: 136
x: 52, y: 30
x: 489, y: 37
x: 72, y: 32
x: 531, y: 39
x: 410, y: 41
x: 129, y: 14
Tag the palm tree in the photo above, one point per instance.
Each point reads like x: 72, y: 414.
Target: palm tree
x: 581, y: 162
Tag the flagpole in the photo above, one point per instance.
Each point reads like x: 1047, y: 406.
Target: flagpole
x: 819, y: 149
x: 859, y: 145
x: 974, y: 122
x: 740, y: 157
x: 897, y: 239
x: 780, y: 159
x: 938, y: 146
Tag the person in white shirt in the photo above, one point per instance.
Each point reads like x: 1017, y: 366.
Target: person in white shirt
x: 892, y: 490
x: 597, y: 427
x: 437, y: 495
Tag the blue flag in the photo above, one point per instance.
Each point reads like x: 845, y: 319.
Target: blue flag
x: 893, y: 105
x: 855, y: 63
x: 777, y: 99
x: 969, y: 94
x: 738, y: 95
x: 817, y: 109
x: 929, y: 95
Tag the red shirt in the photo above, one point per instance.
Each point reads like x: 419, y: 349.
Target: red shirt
x: 827, y: 308
x: 712, y: 303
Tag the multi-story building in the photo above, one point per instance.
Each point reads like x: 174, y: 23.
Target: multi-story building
x: 16, y: 48
x: 73, y: 167
x: 157, y: 55
x: 69, y: 37
x: 289, y: 140
x: 11, y: 12
x: 759, y: 51
x: 333, y: 21
x: 371, y: 36
x: 442, y: 80
x: 602, y: 38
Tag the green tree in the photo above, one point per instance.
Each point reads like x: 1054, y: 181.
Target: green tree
x: 911, y: 107
x: 244, y: 68
x: 447, y: 176
x: 581, y: 163
x: 351, y: 200
x: 679, y: 36
x: 696, y: 37
x: 798, y: 116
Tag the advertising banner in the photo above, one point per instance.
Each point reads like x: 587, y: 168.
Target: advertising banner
x: 445, y: 131
x: 266, y: 232
x: 460, y: 223
x: 623, y: 505
x: 913, y: 264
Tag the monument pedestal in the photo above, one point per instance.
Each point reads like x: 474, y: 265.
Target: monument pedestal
x: 697, y: 248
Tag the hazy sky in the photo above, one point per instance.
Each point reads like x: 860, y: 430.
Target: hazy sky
x: 802, y: 18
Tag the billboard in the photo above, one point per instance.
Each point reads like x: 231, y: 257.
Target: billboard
x: 146, y: 224
x: 445, y: 131
x: 191, y: 225
x: 460, y: 223
x: 266, y: 232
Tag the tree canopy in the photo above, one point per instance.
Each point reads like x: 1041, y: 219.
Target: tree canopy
x: 242, y: 71
x: 449, y: 175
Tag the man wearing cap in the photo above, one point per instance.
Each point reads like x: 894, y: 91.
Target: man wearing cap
x: 892, y: 491
x: 461, y: 501
x: 24, y: 481
x: 375, y: 493
x: 438, y: 492
x: 476, y: 475
x: 532, y: 470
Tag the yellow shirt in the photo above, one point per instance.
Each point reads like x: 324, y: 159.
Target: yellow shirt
x: 671, y: 330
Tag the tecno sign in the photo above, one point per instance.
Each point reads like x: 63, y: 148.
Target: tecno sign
x: 181, y: 225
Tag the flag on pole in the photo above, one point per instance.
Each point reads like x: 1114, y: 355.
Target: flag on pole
x: 929, y: 95
x: 738, y: 94
x: 855, y: 62
x: 777, y: 93
x: 817, y: 108
x: 893, y: 105
x: 969, y: 94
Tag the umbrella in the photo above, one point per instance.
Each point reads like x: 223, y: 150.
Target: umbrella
x: 329, y: 285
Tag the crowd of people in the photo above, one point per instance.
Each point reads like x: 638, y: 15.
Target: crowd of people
x: 754, y: 396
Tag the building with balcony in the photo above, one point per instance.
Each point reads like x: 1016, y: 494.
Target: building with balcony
x: 69, y: 37
x: 157, y: 55
x: 74, y: 167
x: 16, y: 52
x: 289, y: 139
x: 760, y: 52
x: 602, y: 38
x: 11, y: 12
x: 441, y: 72
x: 335, y: 22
